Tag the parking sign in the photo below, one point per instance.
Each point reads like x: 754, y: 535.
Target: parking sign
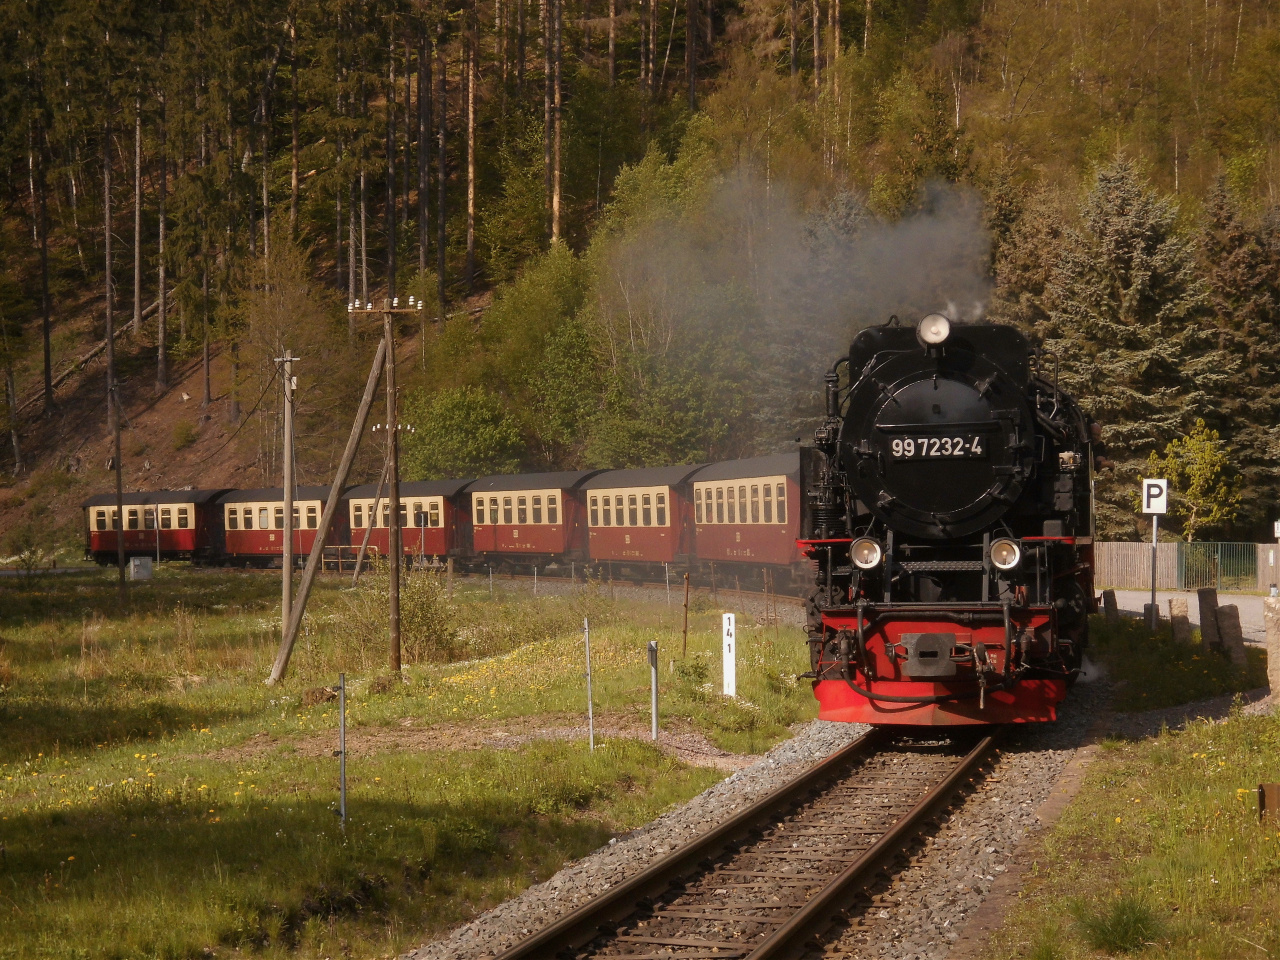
x: 1155, y: 496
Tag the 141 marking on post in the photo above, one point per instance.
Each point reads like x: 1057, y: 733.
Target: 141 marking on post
x: 730, y: 657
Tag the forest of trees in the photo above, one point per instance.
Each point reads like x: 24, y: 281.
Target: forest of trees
x: 645, y: 227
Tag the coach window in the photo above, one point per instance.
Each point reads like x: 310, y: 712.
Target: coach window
x: 646, y: 510
x: 419, y: 516
x: 633, y: 518
x: 101, y: 517
x: 386, y: 515
x: 279, y: 511
x: 732, y: 511
x: 133, y: 519
x: 149, y: 518
x: 297, y: 525
x: 755, y: 504
x: 404, y: 514
x: 608, y: 512
x: 248, y: 518
x: 233, y: 519
x: 166, y: 518
x: 662, y: 509
x: 782, y: 503
x: 553, y: 514
x: 537, y: 509
x: 595, y: 511
x: 182, y: 518
x: 522, y: 510
x: 262, y: 518
x: 768, y: 503
x: 357, y: 515
x: 719, y: 504
x: 493, y: 510
x: 311, y: 518
x: 433, y: 514
x: 742, y: 504
x: 697, y: 505
x: 507, y: 514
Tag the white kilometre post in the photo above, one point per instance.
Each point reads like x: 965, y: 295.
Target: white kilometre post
x: 1155, y: 501
x: 591, y: 720
x: 653, y: 686
x: 730, y: 656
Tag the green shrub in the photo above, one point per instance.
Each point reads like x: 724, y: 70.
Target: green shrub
x: 1123, y: 925
x: 184, y: 434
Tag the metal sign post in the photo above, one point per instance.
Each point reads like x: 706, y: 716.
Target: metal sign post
x: 653, y: 684
x: 1155, y: 501
x: 342, y: 748
x: 730, y: 657
x: 591, y: 722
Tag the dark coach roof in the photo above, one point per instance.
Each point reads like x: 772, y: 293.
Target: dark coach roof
x: 779, y: 464
x: 562, y: 480
x: 153, y: 496
x: 643, y: 477
x: 411, y: 488
x: 274, y: 493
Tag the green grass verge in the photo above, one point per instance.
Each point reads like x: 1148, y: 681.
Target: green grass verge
x: 156, y: 800
x: 1151, y: 672
x: 1161, y: 854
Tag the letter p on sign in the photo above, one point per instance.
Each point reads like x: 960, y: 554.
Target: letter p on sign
x: 1155, y: 496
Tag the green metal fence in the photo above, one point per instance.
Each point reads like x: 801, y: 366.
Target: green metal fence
x: 1230, y: 567
x: 1227, y: 566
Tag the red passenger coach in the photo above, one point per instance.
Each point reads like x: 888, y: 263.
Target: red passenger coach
x: 431, y: 522
x: 165, y: 524
x: 534, y: 517
x: 747, y: 511
x: 253, y: 523
x: 640, y: 517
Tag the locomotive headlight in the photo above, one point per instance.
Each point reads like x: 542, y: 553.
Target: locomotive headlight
x: 866, y: 553
x: 1005, y: 554
x: 933, y: 329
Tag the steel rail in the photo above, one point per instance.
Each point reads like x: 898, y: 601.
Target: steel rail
x: 790, y: 940
x: 588, y: 921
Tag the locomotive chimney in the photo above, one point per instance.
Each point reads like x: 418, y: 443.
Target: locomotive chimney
x: 833, y: 394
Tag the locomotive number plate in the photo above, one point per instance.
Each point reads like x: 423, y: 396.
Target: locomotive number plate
x: 967, y: 446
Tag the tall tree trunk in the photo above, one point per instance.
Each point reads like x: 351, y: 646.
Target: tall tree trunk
x: 653, y: 47
x: 391, y: 173
x: 351, y: 252
x: 556, y: 195
x: 795, y: 39
x: 337, y: 222
x: 162, y: 314
x: 472, y: 53
x: 46, y: 319
x: 424, y: 151
x: 613, y: 42
x: 266, y: 201
x: 293, y: 82
x: 137, y: 216
x: 364, y: 234
x: 442, y: 166
x: 207, y: 399
x: 521, y: 30
x: 866, y: 31
x: 691, y: 51
x: 817, y: 46
x: 11, y: 401
x: 108, y: 290
x: 407, y: 155
x: 642, y: 22
x: 548, y: 133
x: 836, y: 48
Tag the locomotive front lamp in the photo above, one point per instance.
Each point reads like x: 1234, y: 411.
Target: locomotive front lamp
x: 933, y: 329
x: 866, y: 553
x: 1005, y: 554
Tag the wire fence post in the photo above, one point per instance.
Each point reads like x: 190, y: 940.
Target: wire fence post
x: 653, y: 684
x: 342, y: 748
x: 591, y: 722
x: 666, y: 574
x: 684, y: 647
x: 535, y: 579
x: 491, y: 583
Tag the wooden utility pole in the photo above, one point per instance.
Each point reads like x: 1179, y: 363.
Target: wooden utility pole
x: 326, y: 518
x: 393, y: 441
x: 684, y: 649
x: 286, y: 595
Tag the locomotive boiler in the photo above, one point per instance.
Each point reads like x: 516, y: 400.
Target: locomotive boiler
x: 948, y: 511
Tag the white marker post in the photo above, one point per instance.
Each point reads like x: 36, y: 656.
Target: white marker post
x: 653, y: 684
x: 591, y: 720
x: 1155, y: 501
x: 730, y: 657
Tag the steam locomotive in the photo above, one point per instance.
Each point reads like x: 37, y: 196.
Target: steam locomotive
x: 947, y: 504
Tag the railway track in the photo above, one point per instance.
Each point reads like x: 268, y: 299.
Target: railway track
x: 765, y: 882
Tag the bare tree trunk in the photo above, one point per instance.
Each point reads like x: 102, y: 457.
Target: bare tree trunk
x: 472, y: 52
x: 836, y: 47
x: 46, y: 319
x: 817, y: 45
x: 866, y: 31
x: 337, y: 221
x: 266, y: 201
x: 613, y: 42
x: 204, y: 292
x: 391, y: 173
x: 520, y: 44
x: 424, y: 151
x: 548, y: 133
x: 108, y: 289
x: 364, y: 234
x: 643, y: 22
x: 442, y: 166
x: 233, y: 408
x: 556, y: 197
x: 293, y: 82
x: 795, y: 39
x: 653, y: 46
x: 137, y: 216
x: 162, y: 314
x: 691, y: 51
x: 11, y: 401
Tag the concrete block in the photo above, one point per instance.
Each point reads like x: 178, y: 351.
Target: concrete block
x: 1110, y: 607
x: 1180, y: 619
x: 1230, y: 632
x: 140, y: 568
x: 1271, y: 616
x: 1151, y: 616
x: 1208, y: 598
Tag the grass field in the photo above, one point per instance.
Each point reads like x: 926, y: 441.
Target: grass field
x: 1161, y: 854
x: 157, y: 800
